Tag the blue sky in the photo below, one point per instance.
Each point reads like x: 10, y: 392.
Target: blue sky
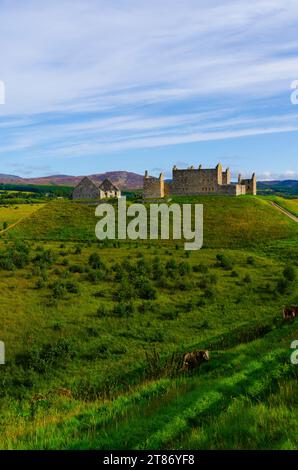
x: 93, y: 86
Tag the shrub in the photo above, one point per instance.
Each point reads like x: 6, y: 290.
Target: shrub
x: 124, y: 309
x: 95, y: 276
x: 102, y: 311
x: 209, y: 294
x: 59, y: 290
x: 146, y: 290
x: 213, y: 279
x: 50, y: 355
x: 223, y: 261
x: 39, y: 284
x: 72, y: 288
x: 95, y: 261
x: 200, y: 268
x: 125, y: 291
x: 289, y: 273
x: 77, y: 268
x: 282, y: 286
x: 183, y: 268
x: 44, y: 257
x: 247, y: 279
x: 250, y: 260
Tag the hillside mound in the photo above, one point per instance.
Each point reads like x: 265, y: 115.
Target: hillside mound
x: 228, y: 222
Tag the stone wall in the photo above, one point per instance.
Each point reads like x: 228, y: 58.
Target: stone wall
x: 226, y: 176
x: 154, y: 187
x: 250, y: 185
x: 86, y: 189
x: 196, y: 181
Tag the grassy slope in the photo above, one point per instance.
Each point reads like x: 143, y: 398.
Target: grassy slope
x: 290, y: 204
x: 228, y: 222
x: 13, y: 214
x: 178, y: 412
x: 244, y: 399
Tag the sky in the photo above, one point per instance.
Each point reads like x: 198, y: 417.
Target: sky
x: 103, y: 85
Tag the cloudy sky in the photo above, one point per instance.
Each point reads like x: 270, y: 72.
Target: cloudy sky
x: 98, y: 85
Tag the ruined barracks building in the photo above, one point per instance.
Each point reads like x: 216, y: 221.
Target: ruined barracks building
x: 198, y: 181
x: 89, y: 189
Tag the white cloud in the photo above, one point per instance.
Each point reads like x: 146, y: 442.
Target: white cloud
x: 85, y: 77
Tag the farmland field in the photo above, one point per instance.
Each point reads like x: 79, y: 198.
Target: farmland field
x: 95, y: 332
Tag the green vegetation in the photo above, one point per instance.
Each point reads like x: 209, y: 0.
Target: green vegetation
x: 12, y: 214
x: 290, y: 205
x: 95, y: 332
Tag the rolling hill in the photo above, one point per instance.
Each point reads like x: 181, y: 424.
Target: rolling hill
x: 228, y: 222
x: 123, y: 179
x: 95, y: 333
x: 283, y: 188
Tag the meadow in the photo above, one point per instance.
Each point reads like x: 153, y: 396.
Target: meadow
x: 12, y: 214
x: 95, y: 332
x: 289, y: 204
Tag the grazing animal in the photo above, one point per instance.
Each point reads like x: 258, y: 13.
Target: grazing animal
x: 290, y: 312
x: 194, y: 359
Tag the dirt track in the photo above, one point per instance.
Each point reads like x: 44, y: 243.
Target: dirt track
x: 284, y: 211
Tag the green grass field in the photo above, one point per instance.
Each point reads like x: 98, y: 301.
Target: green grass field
x: 289, y: 204
x: 15, y: 213
x: 95, y: 333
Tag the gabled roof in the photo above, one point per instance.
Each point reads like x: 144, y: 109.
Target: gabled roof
x: 107, y: 185
x: 86, y: 178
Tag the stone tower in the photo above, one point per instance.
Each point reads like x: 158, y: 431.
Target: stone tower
x: 154, y: 187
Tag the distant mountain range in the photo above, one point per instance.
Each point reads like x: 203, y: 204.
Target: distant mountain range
x: 284, y: 187
x: 123, y: 179
x: 130, y: 180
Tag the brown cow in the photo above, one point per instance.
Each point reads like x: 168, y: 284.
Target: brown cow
x: 289, y: 313
x: 194, y: 359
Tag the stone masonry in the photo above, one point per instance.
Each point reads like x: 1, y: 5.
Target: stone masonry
x: 88, y: 189
x: 198, y: 181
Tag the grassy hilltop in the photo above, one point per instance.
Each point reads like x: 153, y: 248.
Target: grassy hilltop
x: 228, y: 222
x: 94, y: 332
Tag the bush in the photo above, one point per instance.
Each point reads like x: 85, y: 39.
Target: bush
x: 59, y: 290
x: 95, y: 261
x: 39, y: 284
x: 146, y: 290
x: 209, y: 294
x: 102, y: 311
x: 223, y: 261
x: 72, y: 288
x: 50, y: 355
x: 213, y: 279
x: 124, y: 309
x: 250, y: 260
x: 124, y: 292
x: 95, y: 276
x: 44, y: 257
x: 184, y: 268
x: 282, y: 286
x: 200, y: 268
x: 247, y: 279
x: 76, y: 268
x: 289, y: 273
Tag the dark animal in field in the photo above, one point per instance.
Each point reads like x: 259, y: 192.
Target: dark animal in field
x: 194, y: 359
x: 290, y: 312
